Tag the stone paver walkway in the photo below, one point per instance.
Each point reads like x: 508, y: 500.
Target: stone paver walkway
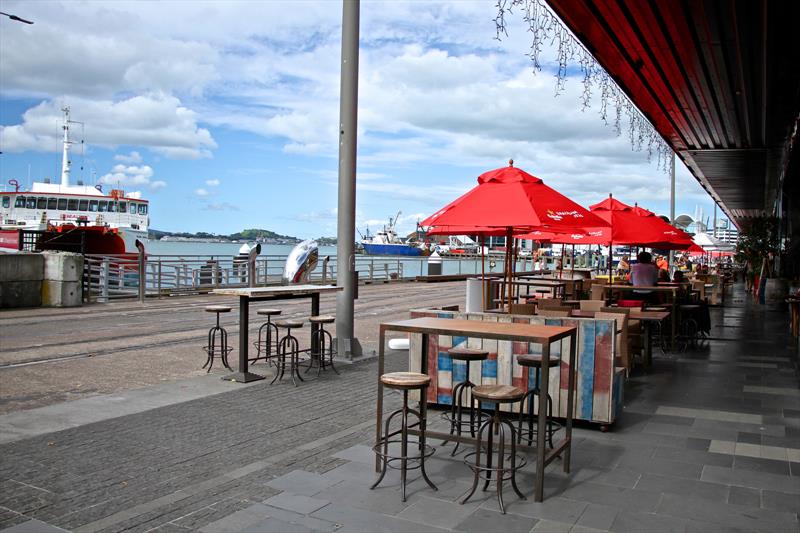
x: 709, y: 441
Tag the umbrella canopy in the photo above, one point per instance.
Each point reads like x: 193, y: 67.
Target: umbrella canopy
x: 509, y: 197
x: 710, y: 243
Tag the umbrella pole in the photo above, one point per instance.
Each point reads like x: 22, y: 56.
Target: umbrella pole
x: 572, y: 263
x: 483, y: 274
x: 509, y: 255
x: 561, y: 266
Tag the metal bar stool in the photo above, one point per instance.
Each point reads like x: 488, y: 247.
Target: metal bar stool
x: 688, y: 329
x: 456, y: 414
x: 404, y: 381
x: 268, y: 336
x: 288, y: 347
x: 496, y: 425
x: 324, y: 342
x: 217, y: 339
x: 535, y: 361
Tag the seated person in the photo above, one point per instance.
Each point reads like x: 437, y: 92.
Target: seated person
x: 644, y: 274
x: 663, y: 275
x: 677, y: 277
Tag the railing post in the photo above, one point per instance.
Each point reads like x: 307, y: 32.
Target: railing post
x: 371, y: 269
x: 386, y: 271
x: 215, y: 273
x: 325, y: 269
x: 159, y: 278
x: 142, y: 271
x: 104, y: 275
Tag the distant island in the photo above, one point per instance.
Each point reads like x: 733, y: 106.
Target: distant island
x: 249, y: 235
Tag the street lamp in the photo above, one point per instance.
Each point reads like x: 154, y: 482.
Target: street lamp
x: 14, y: 17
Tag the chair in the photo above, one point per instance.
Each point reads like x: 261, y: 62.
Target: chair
x: 633, y: 332
x: 324, y: 343
x: 700, y: 288
x: 461, y: 401
x: 217, y: 339
x: 597, y: 291
x: 630, y: 303
x: 289, y: 347
x: 404, y: 381
x: 534, y: 361
x: 555, y: 312
x: 523, y: 309
x: 549, y: 302
x: 267, y: 336
x: 592, y: 305
x: 504, y: 431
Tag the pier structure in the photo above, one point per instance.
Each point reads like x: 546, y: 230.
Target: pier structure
x: 107, y: 425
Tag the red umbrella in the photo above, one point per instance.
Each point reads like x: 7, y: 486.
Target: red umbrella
x: 510, y: 198
x: 512, y: 201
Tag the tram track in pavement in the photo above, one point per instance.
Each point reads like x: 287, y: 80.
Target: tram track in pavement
x: 194, y: 328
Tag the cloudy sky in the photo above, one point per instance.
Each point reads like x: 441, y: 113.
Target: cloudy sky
x: 224, y: 114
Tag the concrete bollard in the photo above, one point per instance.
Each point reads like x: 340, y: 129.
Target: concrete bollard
x: 62, y: 286
x: 21, y: 280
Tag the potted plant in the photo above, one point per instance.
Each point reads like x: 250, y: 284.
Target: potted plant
x: 756, y: 248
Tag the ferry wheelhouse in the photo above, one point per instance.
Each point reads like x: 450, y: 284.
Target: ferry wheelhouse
x: 78, y: 218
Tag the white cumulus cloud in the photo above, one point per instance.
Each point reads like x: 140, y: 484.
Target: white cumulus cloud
x: 212, y: 183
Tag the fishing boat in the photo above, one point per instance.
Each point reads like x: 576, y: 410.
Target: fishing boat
x: 77, y: 218
x: 386, y: 242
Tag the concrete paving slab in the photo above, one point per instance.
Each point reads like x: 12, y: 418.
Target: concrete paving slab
x: 32, y: 422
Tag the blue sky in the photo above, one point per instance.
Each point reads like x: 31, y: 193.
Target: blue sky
x: 224, y: 114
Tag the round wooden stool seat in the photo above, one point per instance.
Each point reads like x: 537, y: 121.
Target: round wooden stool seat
x: 531, y: 359
x: 655, y: 309
x: 289, y: 323
x: 322, y: 319
x: 406, y: 380
x: 218, y: 309
x: 466, y: 354
x: 498, y: 393
x: 689, y: 307
x: 268, y: 312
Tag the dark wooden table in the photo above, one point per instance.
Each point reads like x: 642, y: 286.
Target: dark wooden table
x: 672, y: 290
x: 260, y: 294
x: 538, y: 334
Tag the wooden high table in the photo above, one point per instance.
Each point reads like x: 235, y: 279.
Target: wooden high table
x: 670, y: 289
x: 538, y: 334
x: 260, y: 294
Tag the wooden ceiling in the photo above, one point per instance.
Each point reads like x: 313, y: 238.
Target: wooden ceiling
x: 719, y: 79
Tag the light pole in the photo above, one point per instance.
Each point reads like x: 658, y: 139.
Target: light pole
x: 14, y: 17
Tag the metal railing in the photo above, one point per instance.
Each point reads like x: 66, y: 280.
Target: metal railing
x: 108, y: 277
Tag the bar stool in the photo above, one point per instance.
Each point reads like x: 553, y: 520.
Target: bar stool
x: 268, y: 335
x: 456, y: 414
x: 689, y: 331
x: 535, y: 361
x: 495, y: 425
x: 217, y: 339
x: 324, y: 342
x: 288, y: 347
x: 404, y: 381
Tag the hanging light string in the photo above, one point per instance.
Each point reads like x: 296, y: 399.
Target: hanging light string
x: 544, y: 26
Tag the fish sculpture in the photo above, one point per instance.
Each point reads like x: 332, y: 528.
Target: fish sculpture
x: 302, y: 260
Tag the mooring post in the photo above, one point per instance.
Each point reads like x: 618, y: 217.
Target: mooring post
x: 142, y: 271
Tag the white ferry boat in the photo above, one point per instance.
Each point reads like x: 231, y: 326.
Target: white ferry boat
x: 77, y: 218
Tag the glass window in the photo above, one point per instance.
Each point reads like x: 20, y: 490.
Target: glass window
x: 93, y: 206
x: 72, y: 205
x: 52, y: 204
x: 6, y: 201
x: 133, y: 208
x: 112, y: 206
x: 142, y: 209
x: 62, y: 204
x: 103, y: 206
x: 41, y: 203
x: 31, y: 202
x: 20, y: 201
x: 83, y: 205
x: 123, y: 207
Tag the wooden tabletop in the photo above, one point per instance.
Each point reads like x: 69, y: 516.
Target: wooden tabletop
x: 664, y: 288
x: 635, y: 314
x: 536, y: 282
x: 277, y: 290
x: 536, y: 333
